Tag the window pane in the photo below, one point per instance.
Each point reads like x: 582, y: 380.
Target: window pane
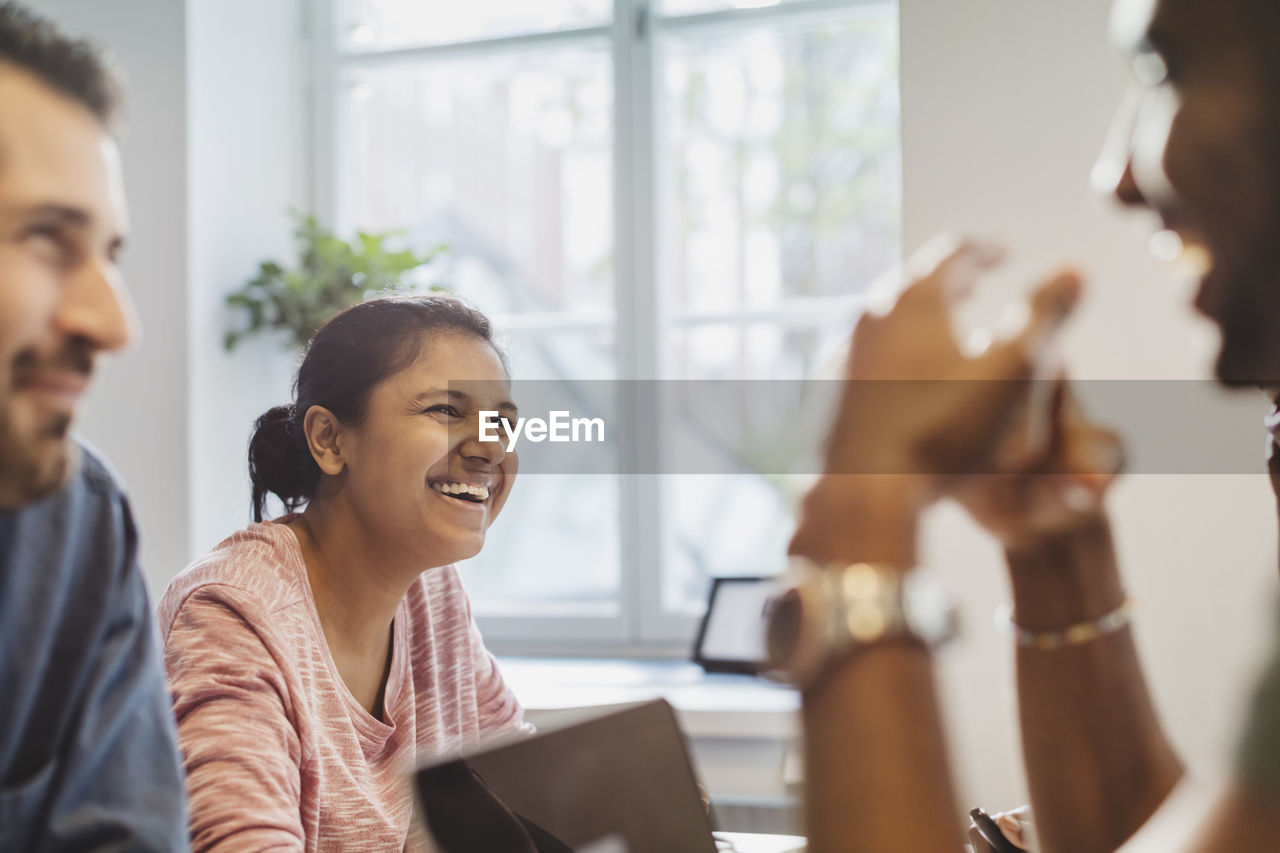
x: 739, y: 524
x: 757, y: 350
x: 554, y: 550
x: 720, y: 525
x: 384, y: 24
x: 689, y: 7
x: 506, y: 158
x: 782, y: 161
x: 578, y: 356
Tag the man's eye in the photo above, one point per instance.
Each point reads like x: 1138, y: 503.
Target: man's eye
x: 48, y: 242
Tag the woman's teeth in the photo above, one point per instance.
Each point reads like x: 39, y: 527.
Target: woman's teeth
x: 480, y: 493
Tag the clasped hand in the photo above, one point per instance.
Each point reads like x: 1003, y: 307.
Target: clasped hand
x: 998, y: 430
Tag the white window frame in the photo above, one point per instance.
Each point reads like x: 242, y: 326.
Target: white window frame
x: 642, y: 626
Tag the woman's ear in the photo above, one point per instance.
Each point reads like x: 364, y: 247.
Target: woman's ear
x: 323, y: 430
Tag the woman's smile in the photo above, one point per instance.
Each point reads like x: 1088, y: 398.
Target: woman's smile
x: 469, y: 497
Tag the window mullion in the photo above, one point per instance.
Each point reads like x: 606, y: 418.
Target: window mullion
x: 638, y: 310
x: 322, y: 148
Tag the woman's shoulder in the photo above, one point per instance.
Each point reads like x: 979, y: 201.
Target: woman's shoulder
x: 259, y: 567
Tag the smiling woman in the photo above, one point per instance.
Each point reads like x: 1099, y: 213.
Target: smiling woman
x: 313, y: 657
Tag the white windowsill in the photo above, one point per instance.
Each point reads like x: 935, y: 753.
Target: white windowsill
x: 709, y: 705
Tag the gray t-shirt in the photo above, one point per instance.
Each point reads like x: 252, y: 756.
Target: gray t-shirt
x: 88, y: 753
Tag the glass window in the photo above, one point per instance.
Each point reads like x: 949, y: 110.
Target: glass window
x: 507, y: 159
x: 368, y: 25
x: 691, y: 7
x: 766, y: 161
x: 782, y: 161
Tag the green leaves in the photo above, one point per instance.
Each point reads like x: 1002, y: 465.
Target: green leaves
x: 331, y: 275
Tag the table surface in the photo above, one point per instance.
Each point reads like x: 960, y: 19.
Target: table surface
x: 748, y: 842
x: 708, y: 704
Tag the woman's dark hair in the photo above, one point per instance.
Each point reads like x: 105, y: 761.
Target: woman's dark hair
x: 350, y: 354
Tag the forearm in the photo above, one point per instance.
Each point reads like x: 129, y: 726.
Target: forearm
x: 877, y: 776
x: 876, y: 769
x: 1098, y: 763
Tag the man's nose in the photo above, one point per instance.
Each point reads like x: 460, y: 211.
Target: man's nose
x: 96, y: 307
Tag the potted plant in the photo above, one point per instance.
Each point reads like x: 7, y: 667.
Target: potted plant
x: 331, y: 275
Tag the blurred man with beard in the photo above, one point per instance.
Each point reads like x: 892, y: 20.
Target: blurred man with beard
x: 1198, y: 142
x: 88, y: 756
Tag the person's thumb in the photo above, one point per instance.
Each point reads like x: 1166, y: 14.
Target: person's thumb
x: 1003, y: 377
x: 1021, y: 356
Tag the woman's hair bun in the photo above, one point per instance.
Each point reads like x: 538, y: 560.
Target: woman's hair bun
x: 279, y: 461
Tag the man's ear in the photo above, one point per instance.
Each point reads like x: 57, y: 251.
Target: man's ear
x: 323, y: 431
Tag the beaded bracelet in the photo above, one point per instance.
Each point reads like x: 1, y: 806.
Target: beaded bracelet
x: 1073, y: 635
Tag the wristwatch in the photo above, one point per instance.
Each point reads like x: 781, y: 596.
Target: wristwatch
x: 831, y: 612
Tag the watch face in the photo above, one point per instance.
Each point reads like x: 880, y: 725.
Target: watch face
x: 783, y: 631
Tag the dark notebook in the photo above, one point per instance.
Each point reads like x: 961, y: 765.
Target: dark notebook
x: 620, y: 783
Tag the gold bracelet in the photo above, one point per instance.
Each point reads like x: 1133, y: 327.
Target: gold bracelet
x: 1073, y: 635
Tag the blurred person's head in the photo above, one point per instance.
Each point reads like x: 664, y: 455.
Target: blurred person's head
x: 1199, y: 143
x: 62, y: 226
x: 385, y: 427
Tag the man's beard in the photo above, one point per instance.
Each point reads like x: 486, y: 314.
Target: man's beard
x: 34, y: 467
x: 1249, y: 319
x: 36, y: 459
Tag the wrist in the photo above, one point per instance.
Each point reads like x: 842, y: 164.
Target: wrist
x: 867, y: 518
x: 1066, y: 578
x: 1038, y: 539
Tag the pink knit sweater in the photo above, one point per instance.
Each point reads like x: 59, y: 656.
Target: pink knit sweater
x: 279, y: 754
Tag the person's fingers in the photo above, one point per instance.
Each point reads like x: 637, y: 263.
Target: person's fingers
x: 1090, y: 452
x: 1036, y: 434
x: 946, y: 269
x: 1093, y: 453
x: 1051, y: 306
x: 1011, y: 828
x: 938, y: 272
x: 1074, y: 481
x: 994, y: 386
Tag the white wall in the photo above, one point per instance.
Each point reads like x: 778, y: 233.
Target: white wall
x: 1005, y: 103
x: 137, y: 413
x: 247, y: 153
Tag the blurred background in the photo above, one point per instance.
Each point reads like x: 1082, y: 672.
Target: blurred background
x: 662, y: 189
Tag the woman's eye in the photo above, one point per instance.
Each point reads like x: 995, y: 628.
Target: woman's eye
x: 446, y: 410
